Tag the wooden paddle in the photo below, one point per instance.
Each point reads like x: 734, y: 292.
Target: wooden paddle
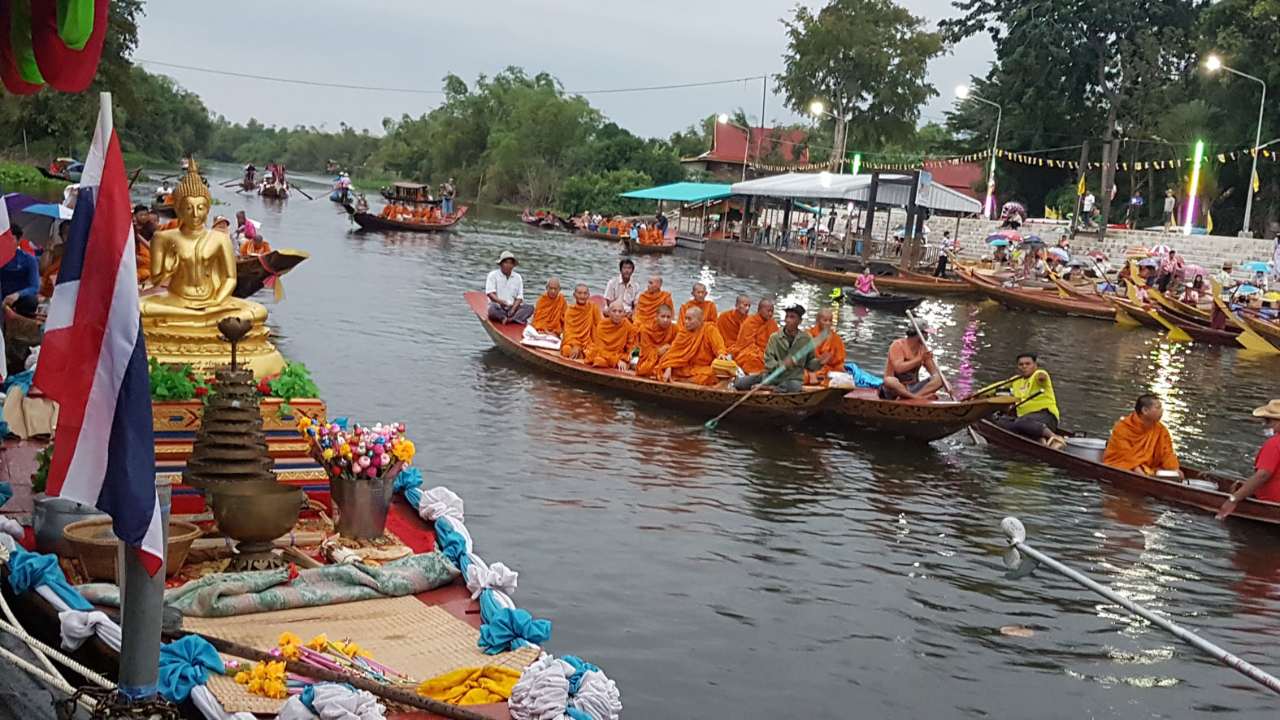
x: 993, y: 386
x: 713, y: 422
x: 946, y: 385
x: 304, y: 192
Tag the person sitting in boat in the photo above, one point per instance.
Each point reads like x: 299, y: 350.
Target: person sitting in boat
x: 1139, y: 442
x: 832, y: 348
x: 697, y: 345
x: 1224, y: 276
x: 902, y: 370
x: 362, y: 203
x: 505, y: 289
x: 254, y: 245
x: 1192, y: 294
x: 245, y: 226
x: 655, y: 340
x: 730, y: 323
x: 753, y: 337
x: 580, y: 320
x: 1035, y: 415
x: 548, y: 312
x: 614, y: 337
x: 622, y: 287
x: 710, y: 312
x: 1264, y: 484
x: 634, y: 233
x: 792, y: 350
x: 648, y: 302
x: 865, y: 284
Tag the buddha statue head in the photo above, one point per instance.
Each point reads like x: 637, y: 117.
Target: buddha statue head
x: 191, y: 199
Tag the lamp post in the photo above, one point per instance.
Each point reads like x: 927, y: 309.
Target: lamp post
x: 964, y: 93
x: 1213, y: 63
x: 723, y: 119
x: 818, y: 109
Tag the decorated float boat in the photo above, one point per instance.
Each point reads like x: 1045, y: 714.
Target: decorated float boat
x: 904, y: 280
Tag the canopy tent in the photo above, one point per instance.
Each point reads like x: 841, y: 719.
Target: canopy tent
x: 828, y: 186
x: 685, y: 192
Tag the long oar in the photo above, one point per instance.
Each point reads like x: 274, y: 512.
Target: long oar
x: 973, y: 434
x: 713, y: 422
x: 1022, y: 567
x: 1176, y: 334
x: 304, y: 192
x: 993, y: 386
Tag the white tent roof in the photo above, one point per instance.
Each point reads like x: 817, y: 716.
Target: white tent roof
x: 828, y: 186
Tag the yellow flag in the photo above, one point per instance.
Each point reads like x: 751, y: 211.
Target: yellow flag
x: 1208, y: 222
x: 1081, y: 188
x: 1256, y: 184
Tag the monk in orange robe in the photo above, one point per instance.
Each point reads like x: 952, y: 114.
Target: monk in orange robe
x: 1140, y: 442
x: 830, y: 353
x: 700, y: 300
x: 580, y: 320
x: 548, y: 312
x: 143, y: 253
x: 696, y: 346
x: 730, y: 323
x: 748, y: 350
x: 614, y: 338
x: 655, y: 340
x: 648, y: 302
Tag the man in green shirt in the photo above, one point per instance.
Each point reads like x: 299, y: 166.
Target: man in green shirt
x: 790, y: 350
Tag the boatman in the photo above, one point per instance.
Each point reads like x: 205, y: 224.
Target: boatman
x: 614, y: 337
x: 699, y: 299
x: 902, y: 370
x: 789, y: 349
x: 831, y: 349
x: 648, y: 302
x: 730, y: 323
x: 580, y: 321
x: 696, y: 347
x: 753, y: 338
x: 1139, y: 442
x: 655, y: 340
x: 548, y: 312
x: 1264, y: 484
x: 622, y: 287
x: 505, y: 289
x: 1035, y: 415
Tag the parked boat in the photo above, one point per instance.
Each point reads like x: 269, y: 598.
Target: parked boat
x: 904, y: 280
x: 1205, y: 491
x: 917, y: 419
x: 1049, y: 301
x: 635, y: 247
x: 766, y: 407
x: 883, y: 301
x: 1200, y: 333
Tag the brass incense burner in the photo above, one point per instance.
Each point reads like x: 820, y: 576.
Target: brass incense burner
x: 254, y: 514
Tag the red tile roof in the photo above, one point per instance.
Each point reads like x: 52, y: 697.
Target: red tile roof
x: 728, y: 144
x: 961, y: 176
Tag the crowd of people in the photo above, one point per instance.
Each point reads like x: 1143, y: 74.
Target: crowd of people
x: 645, y: 233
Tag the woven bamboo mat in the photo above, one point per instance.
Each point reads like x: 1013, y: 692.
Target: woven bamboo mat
x: 420, y: 640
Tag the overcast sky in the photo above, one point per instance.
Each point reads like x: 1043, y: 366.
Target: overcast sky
x: 587, y: 44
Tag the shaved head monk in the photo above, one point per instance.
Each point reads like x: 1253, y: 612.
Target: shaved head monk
x: 730, y: 323
x: 614, y: 337
x: 580, y: 321
x: 753, y: 337
x: 696, y: 346
x: 655, y: 341
x: 548, y: 313
x: 699, y: 299
x: 648, y: 302
x: 831, y: 352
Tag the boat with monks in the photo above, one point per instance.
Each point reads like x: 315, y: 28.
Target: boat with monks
x: 916, y: 419
x: 765, y: 407
x: 1082, y: 456
x: 904, y: 280
x: 411, y: 208
x: 1048, y: 300
x: 635, y: 247
x: 599, y: 234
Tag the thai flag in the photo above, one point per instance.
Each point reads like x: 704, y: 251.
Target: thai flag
x: 94, y: 363
x: 8, y: 243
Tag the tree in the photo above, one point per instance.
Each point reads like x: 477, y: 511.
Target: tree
x: 865, y: 60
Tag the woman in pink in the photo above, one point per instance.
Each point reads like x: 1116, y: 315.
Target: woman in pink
x: 866, y: 283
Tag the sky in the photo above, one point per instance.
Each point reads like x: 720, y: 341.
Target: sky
x: 587, y: 44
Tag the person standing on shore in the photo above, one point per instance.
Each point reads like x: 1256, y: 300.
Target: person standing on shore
x: 1169, y: 203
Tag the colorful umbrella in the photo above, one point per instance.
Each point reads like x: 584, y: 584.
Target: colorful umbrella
x: 1031, y: 240
x: 1162, y: 250
x: 1257, y: 266
x: 54, y: 42
x: 997, y: 240
x: 1149, y: 262
x: 1061, y: 254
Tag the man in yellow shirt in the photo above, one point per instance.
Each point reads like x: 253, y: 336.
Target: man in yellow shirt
x: 1036, y: 414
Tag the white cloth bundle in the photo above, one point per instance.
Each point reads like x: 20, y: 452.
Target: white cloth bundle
x: 497, y: 577
x: 76, y: 626
x: 837, y: 379
x: 533, y: 338
x: 542, y: 692
x: 334, y: 702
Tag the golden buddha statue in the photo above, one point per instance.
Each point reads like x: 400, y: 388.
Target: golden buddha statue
x: 198, y: 267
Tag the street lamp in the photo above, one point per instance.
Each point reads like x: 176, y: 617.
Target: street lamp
x: 1213, y: 63
x: 818, y: 108
x: 723, y: 119
x: 964, y: 93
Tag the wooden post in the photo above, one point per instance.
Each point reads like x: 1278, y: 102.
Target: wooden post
x: 872, y: 192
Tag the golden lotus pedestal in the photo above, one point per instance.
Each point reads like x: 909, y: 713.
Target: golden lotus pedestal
x: 199, y: 345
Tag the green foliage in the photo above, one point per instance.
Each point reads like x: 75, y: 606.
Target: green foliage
x: 292, y: 382
x: 303, y: 148
x: 17, y: 175
x: 175, y: 382
x: 598, y: 192
x: 40, y: 478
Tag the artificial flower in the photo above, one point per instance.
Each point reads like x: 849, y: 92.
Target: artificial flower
x: 319, y: 643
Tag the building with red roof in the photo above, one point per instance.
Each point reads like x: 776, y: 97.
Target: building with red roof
x: 732, y: 145
x: 961, y: 177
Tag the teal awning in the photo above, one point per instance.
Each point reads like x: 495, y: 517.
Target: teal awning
x: 685, y: 192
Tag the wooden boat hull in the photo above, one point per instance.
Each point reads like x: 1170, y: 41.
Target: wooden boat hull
x: 1136, y: 313
x: 916, y: 419
x: 252, y: 272
x: 369, y: 221
x: 1170, y: 490
x: 910, y: 281
x: 1266, y: 329
x: 635, y: 247
x: 706, y: 401
x: 1201, y: 333
x: 274, y: 193
x: 1039, y: 300
x: 889, y: 303
x: 597, y: 235
x: 1179, y: 308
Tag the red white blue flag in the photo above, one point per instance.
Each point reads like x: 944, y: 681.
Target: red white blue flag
x: 93, y: 361
x: 8, y: 243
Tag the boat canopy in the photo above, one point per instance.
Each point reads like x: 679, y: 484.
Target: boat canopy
x: 893, y: 190
x: 685, y: 192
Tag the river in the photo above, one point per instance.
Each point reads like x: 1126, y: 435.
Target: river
x: 764, y: 572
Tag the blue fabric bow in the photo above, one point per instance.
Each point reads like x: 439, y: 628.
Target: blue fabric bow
x: 451, y: 543
x: 409, y: 482
x: 184, y: 664
x: 28, y: 570
x: 506, y: 629
x: 580, y: 668
x: 6, y: 493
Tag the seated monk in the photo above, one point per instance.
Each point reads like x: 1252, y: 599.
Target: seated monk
x: 696, y: 346
x: 580, y: 320
x: 699, y: 299
x: 548, y: 312
x: 730, y: 323
x: 753, y: 337
x: 143, y: 252
x: 614, y: 337
x: 655, y: 340
x: 1140, y: 442
x: 252, y: 247
x: 902, y: 370
x: 648, y: 302
x: 830, y: 351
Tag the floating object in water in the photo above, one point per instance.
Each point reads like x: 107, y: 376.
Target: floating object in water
x: 1018, y: 631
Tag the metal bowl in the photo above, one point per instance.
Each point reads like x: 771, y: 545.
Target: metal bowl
x: 255, y: 512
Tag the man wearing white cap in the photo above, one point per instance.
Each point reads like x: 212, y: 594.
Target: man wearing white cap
x: 505, y: 289
x: 1264, y: 484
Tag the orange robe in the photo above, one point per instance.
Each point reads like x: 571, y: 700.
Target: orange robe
x: 50, y: 276
x: 612, y: 342
x: 579, y: 327
x: 548, y: 315
x: 1134, y: 446
x: 647, y: 305
x: 247, y: 248
x: 834, y: 344
x: 729, y: 323
x: 651, y: 339
x: 709, y: 312
x: 754, y: 335
x: 691, y: 355
x: 143, y: 253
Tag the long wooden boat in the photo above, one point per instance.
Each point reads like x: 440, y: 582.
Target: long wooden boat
x: 369, y: 221
x: 1171, y: 490
x: 1136, y: 313
x: 635, y: 247
x: 709, y: 401
x: 890, y: 303
x: 914, y: 282
x: 596, y: 234
x: 274, y: 192
x: 252, y: 272
x: 1178, y: 308
x: 1265, y: 328
x: 1039, y: 300
x: 1198, y: 332
x: 917, y: 419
